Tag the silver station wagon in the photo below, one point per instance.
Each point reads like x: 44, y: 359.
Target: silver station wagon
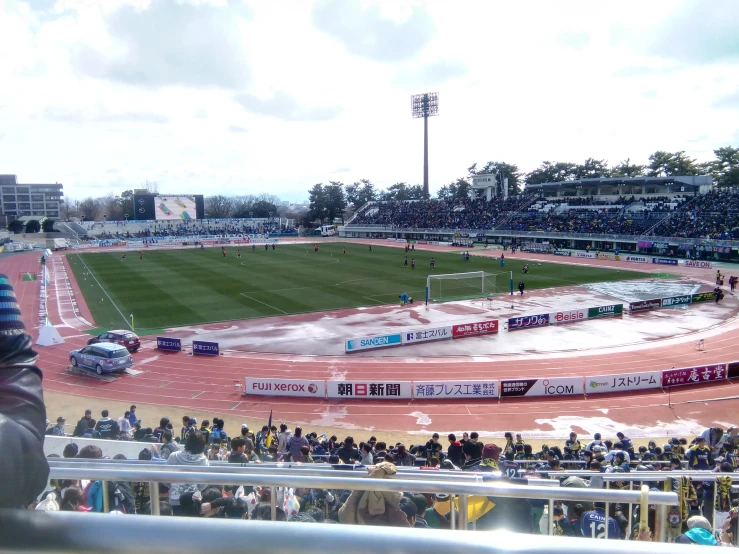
x: 104, y: 357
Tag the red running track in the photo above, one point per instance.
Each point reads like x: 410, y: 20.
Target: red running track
x: 185, y: 382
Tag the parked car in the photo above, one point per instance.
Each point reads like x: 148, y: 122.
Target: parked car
x: 104, y: 357
x: 122, y: 337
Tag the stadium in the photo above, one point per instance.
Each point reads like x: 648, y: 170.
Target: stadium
x: 257, y: 301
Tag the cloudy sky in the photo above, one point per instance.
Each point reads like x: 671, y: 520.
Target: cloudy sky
x: 233, y: 96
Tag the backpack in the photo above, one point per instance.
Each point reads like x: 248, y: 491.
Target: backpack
x: 121, y: 497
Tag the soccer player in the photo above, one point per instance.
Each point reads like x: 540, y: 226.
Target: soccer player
x: 266, y: 247
x: 370, y: 248
x: 344, y: 250
x: 432, y: 263
x: 273, y: 246
x: 521, y: 286
x: 526, y: 268
x: 223, y: 251
x: 123, y: 257
x: 253, y: 247
x: 238, y: 253
x: 315, y: 248
x: 413, y: 263
x: 405, y: 261
x: 502, y: 260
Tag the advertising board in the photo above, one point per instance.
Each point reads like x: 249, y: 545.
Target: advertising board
x: 703, y: 297
x: 584, y: 255
x: 644, y: 305
x: 369, y: 389
x: 698, y: 264
x: 369, y: 343
x: 285, y: 387
x: 636, y: 259
x: 693, y: 375
x: 598, y: 384
x: 676, y: 301
x: 455, y: 389
x: 555, y: 386
x: 528, y: 322
x: 664, y: 261
x: 567, y: 316
x: 425, y: 335
x: 606, y: 311
x: 476, y: 328
x: 169, y: 344
x: 204, y: 348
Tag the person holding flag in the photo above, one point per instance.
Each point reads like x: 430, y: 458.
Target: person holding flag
x: 269, y: 438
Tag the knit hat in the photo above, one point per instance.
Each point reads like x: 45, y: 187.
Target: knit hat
x: 10, y: 313
x: 490, y: 451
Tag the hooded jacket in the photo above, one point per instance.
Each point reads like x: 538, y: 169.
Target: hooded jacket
x: 184, y: 458
x: 375, y: 507
x: 22, y: 412
x: 454, y: 453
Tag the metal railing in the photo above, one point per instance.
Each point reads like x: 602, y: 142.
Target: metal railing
x: 24, y: 532
x: 459, y: 488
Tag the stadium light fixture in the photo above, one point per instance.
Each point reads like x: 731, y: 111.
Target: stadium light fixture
x: 425, y: 105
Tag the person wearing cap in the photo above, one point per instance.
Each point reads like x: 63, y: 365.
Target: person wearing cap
x: 82, y: 424
x: 58, y: 429
x: 699, y: 455
x: 699, y: 532
x: 23, y: 465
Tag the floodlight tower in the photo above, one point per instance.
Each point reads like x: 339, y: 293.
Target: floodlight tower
x: 425, y: 105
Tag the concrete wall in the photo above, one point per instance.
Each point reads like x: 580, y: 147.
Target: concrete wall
x: 130, y: 449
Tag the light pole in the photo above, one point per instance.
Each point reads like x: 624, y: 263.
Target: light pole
x: 425, y: 105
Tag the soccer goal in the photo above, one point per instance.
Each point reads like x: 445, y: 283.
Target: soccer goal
x: 474, y: 284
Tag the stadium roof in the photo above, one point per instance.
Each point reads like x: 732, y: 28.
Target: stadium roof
x: 695, y: 181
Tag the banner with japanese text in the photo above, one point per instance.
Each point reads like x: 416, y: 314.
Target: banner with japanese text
x: 455, y: 389
x: 693, y: 375
x: 477, y: 328
x: 368, y: 389
x: 596, y: 384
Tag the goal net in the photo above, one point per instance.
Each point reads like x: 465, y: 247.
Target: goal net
x: 460, y: 286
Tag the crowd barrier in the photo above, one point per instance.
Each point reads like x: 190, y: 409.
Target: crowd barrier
x: 492, y: 389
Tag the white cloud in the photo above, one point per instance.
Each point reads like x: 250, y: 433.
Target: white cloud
x: 205, y: 95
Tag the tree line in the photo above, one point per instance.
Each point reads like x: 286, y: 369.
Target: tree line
x: 337, y: 200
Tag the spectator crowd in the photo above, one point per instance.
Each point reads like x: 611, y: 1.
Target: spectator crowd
x: 189, y: 443
x: 714, y: 215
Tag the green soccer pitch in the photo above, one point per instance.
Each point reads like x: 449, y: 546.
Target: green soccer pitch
x: 170, y: 288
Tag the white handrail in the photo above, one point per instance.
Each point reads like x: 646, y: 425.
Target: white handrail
x: 23, y: 532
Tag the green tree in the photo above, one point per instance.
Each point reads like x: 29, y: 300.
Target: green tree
x: 317, y: 201
x: 47, y: 225
x: 335, y: 201
x: 551, y: 172
x: 359, y: 193
x: 660, y: 164
x: 592, y: 169
x: 126, y: 200
x: 88, y: 209
x: 33, y: 226
x: 727, y: 166
x: 683, y: 165
x: 627, y: 169
x: 16, y: 226
x: 505, y: 171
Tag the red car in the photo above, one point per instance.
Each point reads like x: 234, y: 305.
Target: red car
x: 122, y: 337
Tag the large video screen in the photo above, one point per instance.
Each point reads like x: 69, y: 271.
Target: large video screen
x: 175, y: 207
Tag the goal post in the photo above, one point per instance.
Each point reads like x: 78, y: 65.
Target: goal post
x: 446, y: 287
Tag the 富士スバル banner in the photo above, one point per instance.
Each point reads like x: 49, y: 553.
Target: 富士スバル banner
x: 596, y: 384
x: 664, y: 261
x: 676, y: 301
x: 637, y: 259
x: 455, y: 389
x: 285, y: 387
x: 205, y: 348
x: 368, y: 389
x: 477, y: 328
x: 368, y: 343
x: 584, y: 255
x: 606, y: 311
x: 527, y: 322
x: 425, y: 335
x: 556, y: 386
x: 170, y: 344
x: 696, y: 263
x: 567, y: 316
x: 693, y: 375
x: 703, y: 297
x: 644, y: 305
